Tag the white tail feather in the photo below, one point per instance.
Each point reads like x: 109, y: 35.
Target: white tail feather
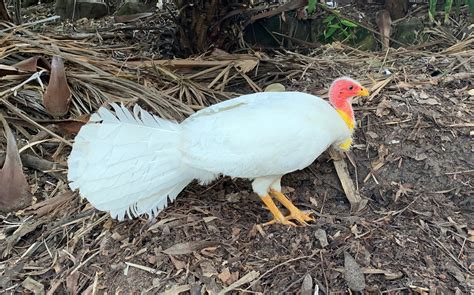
x: 128, y: 164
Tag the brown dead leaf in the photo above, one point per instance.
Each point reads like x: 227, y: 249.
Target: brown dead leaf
x: 354, y: 230
x: 313, y: 201
x: 249, y: 277
x: 31, y: 64
x: 247, y: 65
x: 419, y: 290
x: 188, y: 247
x: 57, y: 96
x: 381, y: 107
x: 235, y: 231
x: 208, y: 269
x: 224, y: 276
x: 353, y: 273
x: 72, y: 126
x: 52, y: 204
x: 34, y: 286
x: 470, y: 232
x: 176, y: 290
x: 429, y: 101
x: 209, y: 251
x: 380, y: 161
x: 391, y: 276
x: 321, y: 235
x: 72, y: 282
x: 420, y: 157
x: 24, y: 229
x: 217, y: 52
x: 117, y: 237
x: 26, y: 66
x: 371, y: 134
x: 404, y: 85
x: 14, y: 189
x: 423, y: 95
x: 275, y: 87
x: 287, y: 189
x: 234, y: 276
x: 209, y: 219
x: 307, y: 285
x: 388, y: 274
x: 8, y: 70
x: 403, y: 190
x: 131, y: 17
x: 178, y: 264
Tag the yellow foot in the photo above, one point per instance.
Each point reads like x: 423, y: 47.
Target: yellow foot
x: 295, y: 213
x: 278, y: 217
x: 298, y: 216
x: 283, y: 221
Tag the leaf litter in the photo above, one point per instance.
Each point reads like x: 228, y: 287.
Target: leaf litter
x: 57, y: 96
x: 61, y: 244
x: 14, y: 189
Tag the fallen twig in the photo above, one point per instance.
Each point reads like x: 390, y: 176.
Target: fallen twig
x: 357, y: 203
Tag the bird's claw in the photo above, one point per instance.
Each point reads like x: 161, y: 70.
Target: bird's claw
x: 299, y: 216
x: 283, y: 221
x: 295, y: 213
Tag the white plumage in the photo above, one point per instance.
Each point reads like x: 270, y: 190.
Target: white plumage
x: 131, y: 164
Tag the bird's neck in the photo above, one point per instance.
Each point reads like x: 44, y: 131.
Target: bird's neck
x: 344, y: 109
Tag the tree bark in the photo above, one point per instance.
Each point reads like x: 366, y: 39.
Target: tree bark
x: 4, y: 15
x: 203, y: 24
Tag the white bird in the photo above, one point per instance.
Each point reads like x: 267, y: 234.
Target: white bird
x: 133, y: 164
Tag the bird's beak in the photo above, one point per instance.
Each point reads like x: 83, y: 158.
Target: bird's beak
x: 363, y: 92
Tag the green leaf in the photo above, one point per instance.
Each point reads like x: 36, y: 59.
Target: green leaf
x: 329, y: 19
x: 471, y: 6
x: 432, y: 10
x: 348, y: 23
x: 311, y: 6
x: 447, y: 10
x: 330, y: 32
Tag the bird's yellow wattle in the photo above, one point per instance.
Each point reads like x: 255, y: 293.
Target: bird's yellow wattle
x: 346, y: 145
x: 347, y: 119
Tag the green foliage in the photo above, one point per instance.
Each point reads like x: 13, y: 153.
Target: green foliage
x: 338, y: 28
x: 432, y: 10
x: 448, y: 7
x: 311, y: 7
x: 471, y: 6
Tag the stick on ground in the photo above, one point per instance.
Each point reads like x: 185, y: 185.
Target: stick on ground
x: 357, y: 203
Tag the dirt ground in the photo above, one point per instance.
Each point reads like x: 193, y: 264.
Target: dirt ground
x: 412, y: 161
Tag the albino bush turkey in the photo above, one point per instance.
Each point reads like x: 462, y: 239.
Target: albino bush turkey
x: 130, y: 164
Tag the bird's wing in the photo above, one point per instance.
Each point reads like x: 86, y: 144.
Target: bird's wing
x: 261, y: 134
x: 244, y: 100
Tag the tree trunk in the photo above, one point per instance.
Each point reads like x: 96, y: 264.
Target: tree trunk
x: 4, y: 12
x: 203, y: 24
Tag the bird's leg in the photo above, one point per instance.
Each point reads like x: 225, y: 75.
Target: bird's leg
x: 278, y: 216
x: 295, y: 213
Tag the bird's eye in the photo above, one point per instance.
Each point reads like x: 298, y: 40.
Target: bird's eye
x: 351, y: 87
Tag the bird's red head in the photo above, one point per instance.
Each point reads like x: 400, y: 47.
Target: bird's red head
x: 340, y: 94
x: 343, y: 89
